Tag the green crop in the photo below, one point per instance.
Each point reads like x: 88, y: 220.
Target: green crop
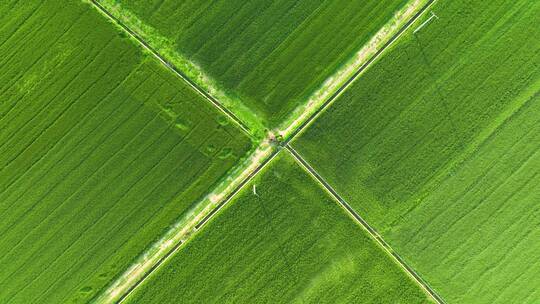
x: 123, y: 123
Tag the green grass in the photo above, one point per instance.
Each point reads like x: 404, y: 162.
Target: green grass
x: 268, y: 55
x: 289, y: 244
x: 101, y: 149
x: 425, y: 145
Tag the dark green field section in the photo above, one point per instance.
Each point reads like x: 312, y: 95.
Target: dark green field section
x: 100, y: 151
x: 288, y: 243
x: 270, y: 54
x: 436, y: 145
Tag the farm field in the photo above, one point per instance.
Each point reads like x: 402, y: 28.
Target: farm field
x: 288, y: 243
x: 265, y: 58
x: 278, y: 151
x: 101, y: 150
x: 436, y: 146
x: 484, y: 237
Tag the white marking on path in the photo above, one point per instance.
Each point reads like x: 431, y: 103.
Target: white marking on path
x: 255, y: 190
x: 425, y: 22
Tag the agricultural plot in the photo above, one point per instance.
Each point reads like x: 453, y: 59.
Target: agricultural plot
x: 101, y: 149
x: 262, y: 58
x: 286, y: 241
x: 436, y: 146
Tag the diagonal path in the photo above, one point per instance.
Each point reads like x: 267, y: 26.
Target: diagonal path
x: 174, y: 69
x: 374, y: 234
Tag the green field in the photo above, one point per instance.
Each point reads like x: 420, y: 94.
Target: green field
x: 478, y: 231
x: 101, y: 149
x: 268, y: 55
x: 290, y: 243
x: 436, y: 146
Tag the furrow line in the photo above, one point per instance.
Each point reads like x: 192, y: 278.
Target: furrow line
x: 121, y: 287
x: 374, y: 234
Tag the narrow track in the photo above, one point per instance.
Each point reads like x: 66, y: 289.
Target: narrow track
x: 365, y: 225
x: 174, y: 69
x: 147, y: 273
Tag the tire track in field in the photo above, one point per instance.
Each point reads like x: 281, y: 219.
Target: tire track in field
x: 373, y: 233
x: 20, y: 76
x: 175, y: 70
x: 7, y: 142
x: 105, y: 137
x: 21, y: 24
x: 85, y: 120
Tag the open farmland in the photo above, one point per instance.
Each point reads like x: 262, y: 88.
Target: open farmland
x: 436, y: 146
x: 288, y: 242
x: 101, y: 149
x: 267, y: 55
x: 300, y: 151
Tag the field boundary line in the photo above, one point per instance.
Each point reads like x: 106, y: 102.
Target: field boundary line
x: 372, y: 232
x: 121, y: 287
x: 363, y: 67
x: 173, y: 68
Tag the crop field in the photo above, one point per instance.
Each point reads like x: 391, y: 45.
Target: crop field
x: 101, y: 149
x: 288, y: 242
x: 436, y: 146
x: 267, y: 55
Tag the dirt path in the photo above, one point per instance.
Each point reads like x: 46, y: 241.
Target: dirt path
x: 153, y: 258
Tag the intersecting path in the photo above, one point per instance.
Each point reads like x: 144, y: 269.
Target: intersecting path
x: 277, y: 149
x: 174, y: 69
x: 300, y: 160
